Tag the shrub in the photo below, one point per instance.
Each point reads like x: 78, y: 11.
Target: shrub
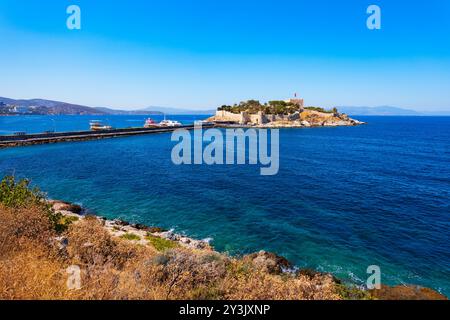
x: 320, y: 109
x: 161, y: 244
x: 183, y: 274
x: 18, y: 194
x: 91, y: 244
x: 349, y: 292
x: 131, y: 237
x: 23, y: 225
x: 259, y: 285
x: 66, y: 221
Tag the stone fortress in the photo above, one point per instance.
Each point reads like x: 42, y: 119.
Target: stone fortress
x: 302, y: 117
x: 259, y: 118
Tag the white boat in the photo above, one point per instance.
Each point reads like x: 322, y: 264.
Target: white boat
x: 97, y: 125
x: 170, y: 123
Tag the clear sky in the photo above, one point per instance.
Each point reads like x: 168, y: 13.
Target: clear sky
x: 205, y: 53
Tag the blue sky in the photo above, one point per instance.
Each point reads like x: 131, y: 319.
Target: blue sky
x: 203, y: 53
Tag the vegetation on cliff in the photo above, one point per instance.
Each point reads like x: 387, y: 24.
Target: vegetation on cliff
x: 254, y: 106
x: 278, y: 107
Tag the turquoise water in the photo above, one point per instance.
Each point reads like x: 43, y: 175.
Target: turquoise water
x: 345, y: 198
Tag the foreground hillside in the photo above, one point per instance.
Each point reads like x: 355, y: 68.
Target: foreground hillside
x: 40, y: 240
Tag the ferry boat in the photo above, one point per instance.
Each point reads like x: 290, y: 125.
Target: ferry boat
x: 150, y: 123
x: 97, y: 125
x: 170, y: 123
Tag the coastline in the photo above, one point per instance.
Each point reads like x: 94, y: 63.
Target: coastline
x: 120, y: 228
x: 269, y: 262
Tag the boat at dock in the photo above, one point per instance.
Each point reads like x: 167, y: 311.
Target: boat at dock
x: 97, y: 125
x: 169, y: 123
x: 150, y: 123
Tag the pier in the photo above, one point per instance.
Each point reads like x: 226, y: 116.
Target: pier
x: 9, y: 141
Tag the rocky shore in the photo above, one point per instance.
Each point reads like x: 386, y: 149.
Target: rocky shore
x: 310, y: 118
x: 265, y: 261
x: 138, y: 233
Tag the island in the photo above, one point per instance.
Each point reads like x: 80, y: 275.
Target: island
x: 289, y: 113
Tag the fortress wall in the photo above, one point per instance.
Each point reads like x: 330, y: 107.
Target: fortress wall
x: 228, y: 116
x: 258, y: 118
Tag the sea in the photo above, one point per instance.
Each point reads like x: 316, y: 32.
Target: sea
x: 344, y: 199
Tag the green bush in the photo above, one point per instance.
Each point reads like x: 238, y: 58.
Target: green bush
x: 161, y: 244
x: 131, y: 237
x: 254, y: 106
x: 66, y: 221
x: 319, y: 109
x: 19, y: 194
x: 350, y: 292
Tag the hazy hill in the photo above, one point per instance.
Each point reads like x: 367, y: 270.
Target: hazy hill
x: 49, y: 107
x: 127, y: 112
x: 176, y: 111
x: 377, y: 111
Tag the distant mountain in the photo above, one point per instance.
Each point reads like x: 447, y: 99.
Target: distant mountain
x: 378, y: 111
x: 178, y: 111
x: 127, y: 112
x: 46, y: 107
x: 51, y: 107
x: 438, y: 113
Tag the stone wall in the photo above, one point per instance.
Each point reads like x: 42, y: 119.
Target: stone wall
x: 255, y: 118
x: 229, y: 116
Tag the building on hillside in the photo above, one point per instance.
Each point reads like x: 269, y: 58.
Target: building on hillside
x: 298, y: 102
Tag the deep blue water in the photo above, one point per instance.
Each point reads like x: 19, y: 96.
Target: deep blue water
x: 345, y: 198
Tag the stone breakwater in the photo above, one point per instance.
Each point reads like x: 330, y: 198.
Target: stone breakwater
x: 10, y: 141
x: 262, y: 260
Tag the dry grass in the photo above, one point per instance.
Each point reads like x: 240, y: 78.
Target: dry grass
x: 243, y: 282
x: 30, y: 267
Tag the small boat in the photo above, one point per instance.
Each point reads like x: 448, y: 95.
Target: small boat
x: 170, y: 123
x: 150, y: 123
x: 97, y: 125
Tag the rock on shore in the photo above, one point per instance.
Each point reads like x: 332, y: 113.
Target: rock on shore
x: 138, y: 232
